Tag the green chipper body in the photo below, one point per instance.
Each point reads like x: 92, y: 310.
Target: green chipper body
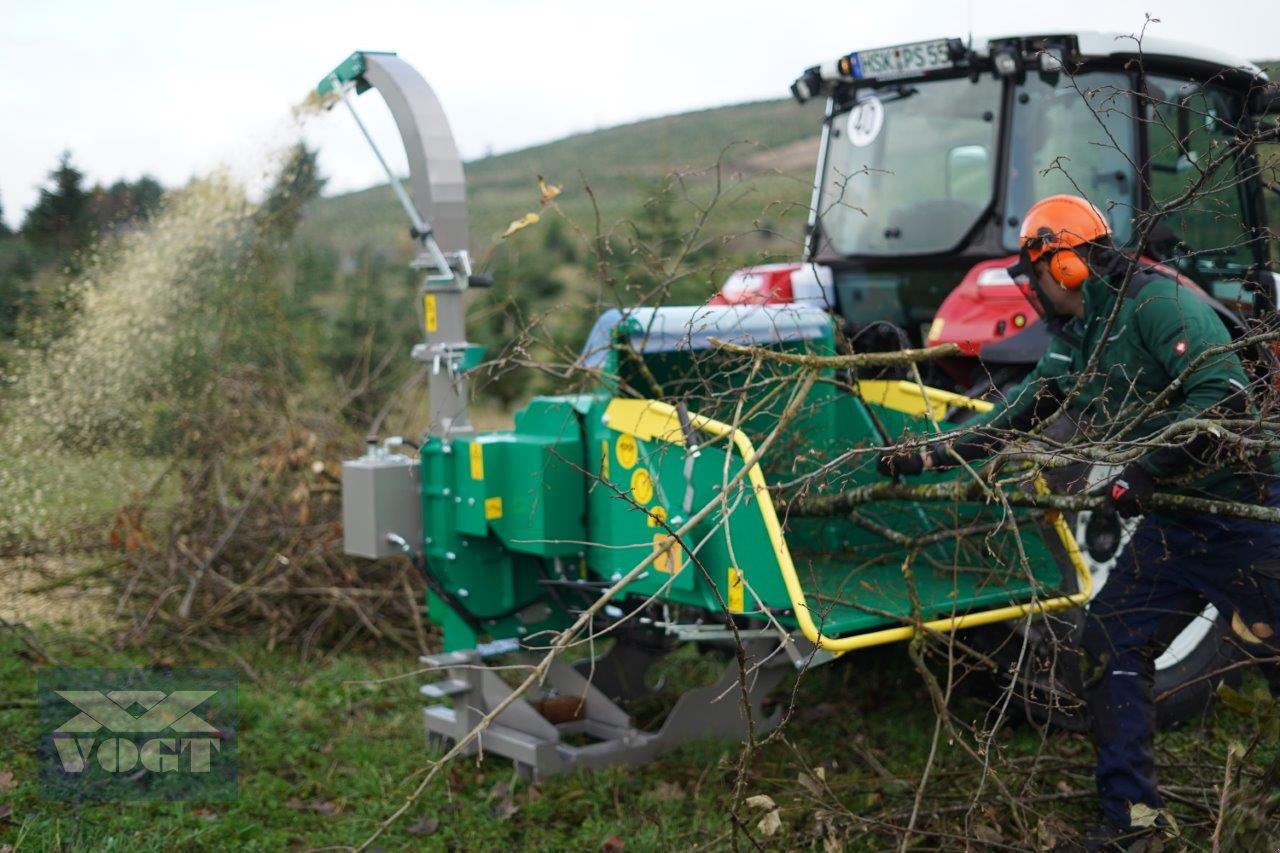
x: 523, y: 527
x: 663, y: 505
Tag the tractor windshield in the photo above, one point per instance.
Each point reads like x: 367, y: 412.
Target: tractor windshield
x: 910, y: 168
x: 1073, y: 135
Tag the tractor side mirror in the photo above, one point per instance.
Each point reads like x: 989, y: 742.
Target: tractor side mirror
x: 968, y: 173
x: 1265, y: 100
x: 1264, y: 106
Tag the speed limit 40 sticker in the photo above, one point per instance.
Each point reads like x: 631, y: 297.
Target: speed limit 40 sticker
x: 865, y: 122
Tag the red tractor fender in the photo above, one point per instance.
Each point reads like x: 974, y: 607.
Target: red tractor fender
x: 988, y: 315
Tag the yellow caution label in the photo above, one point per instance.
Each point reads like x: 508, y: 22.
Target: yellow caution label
x: 492, y: 508
x: 477, y: 461
x: 935, y: 331
x: 641, y: 486
x: 737, y: 597
x: 657, y: 516
x: 429, y: 312
x: 627, y: 450
x: 670, y: 561
x: 604, y: 458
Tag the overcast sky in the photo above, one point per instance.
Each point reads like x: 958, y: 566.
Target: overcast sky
x: 174, y: 88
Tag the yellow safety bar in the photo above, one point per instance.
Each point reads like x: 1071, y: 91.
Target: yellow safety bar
x: 653, y: 420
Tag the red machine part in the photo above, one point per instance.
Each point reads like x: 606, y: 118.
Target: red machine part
x: 988, y: 306
x: 767, y: 284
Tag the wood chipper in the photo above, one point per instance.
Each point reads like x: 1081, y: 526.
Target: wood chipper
x: 699, y: 491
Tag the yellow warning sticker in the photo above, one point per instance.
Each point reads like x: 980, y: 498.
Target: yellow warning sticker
x: 429, y: 312
x: 641, y: 486
x: 657, y: 516
x: 477, y: 461
x: 935, y: 331
x: 670, y: 561
x: 492, y: 508
x: 627, y: 450
x: 604, y: 458
x: 737, y: 597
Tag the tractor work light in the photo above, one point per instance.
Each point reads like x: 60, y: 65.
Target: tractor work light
x: 807, y: 85
x: 1007, y: 62
x: 1051, y: 60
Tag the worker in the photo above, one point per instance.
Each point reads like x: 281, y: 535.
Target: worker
x: 1115, y: 361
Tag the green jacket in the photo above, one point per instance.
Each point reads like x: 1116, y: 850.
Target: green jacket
x: 1156, y: 335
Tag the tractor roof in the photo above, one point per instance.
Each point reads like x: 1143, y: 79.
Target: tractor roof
x: 1123, y: 45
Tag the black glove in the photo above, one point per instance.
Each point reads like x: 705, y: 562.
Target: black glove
x: 1130, y: 492
x: 894, y: 462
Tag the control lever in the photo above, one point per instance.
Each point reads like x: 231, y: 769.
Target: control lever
x: 690, y: 455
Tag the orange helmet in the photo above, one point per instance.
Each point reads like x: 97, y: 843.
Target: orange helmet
x: 1056, y: 226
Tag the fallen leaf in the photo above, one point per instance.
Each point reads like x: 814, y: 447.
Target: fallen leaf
x: 326, y: 807
x: 761, y: 801
x: 204, y: 813
x: 6, y: 811
x: 426, y: 826
x: 548, y: 191
x: 505, y: 809
x: 1141, y: 814
x: 809, y: 783
x: 770, y: 823
x: 6, y: 782
x: 613, y: 844
x: 987, y: 834
x: 831, y: 844
x: 668, y: 791
x: 521, y: 224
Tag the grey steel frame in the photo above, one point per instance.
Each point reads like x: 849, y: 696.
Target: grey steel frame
x: 438, y: 214
x: 540, y: 748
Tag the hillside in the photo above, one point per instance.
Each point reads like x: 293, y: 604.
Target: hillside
x: 768, y: 150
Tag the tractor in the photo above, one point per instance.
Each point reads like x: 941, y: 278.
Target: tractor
x: 699, y: 491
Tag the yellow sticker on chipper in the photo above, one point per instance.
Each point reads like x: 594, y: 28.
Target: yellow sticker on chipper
x: 670, y: 561
x: 737, y: 598
x: 641, y: 486
x: 477, y: 461
x: 429, y: 312
x: 604, y: 459
x: 657, y: 516
x: 492, y: 508
x: 627, y: 450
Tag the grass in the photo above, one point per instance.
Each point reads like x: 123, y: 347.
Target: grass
x: 325, y: 754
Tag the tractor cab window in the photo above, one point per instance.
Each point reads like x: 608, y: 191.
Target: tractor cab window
x: 1073, y: 135
x: 910, y: 168
x: 1271, y: 193
x: 1189, y: 128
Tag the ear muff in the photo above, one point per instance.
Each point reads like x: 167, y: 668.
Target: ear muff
x: 1068, y: 269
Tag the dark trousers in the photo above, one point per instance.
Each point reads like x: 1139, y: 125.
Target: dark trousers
x: 1168, y: 572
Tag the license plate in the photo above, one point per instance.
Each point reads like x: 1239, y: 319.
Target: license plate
x: 902, y: 61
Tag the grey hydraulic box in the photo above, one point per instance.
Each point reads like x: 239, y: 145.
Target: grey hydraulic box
x: 379, y: 497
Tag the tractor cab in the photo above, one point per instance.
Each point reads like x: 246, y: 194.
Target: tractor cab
x: 931, y: 153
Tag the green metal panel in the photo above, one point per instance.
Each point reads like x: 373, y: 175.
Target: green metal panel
x: 351, y: 68
x: 581, y: 500
x: 541, y: 483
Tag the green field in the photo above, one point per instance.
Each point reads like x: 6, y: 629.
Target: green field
x: 329, y: 749
x: 766, y: 153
